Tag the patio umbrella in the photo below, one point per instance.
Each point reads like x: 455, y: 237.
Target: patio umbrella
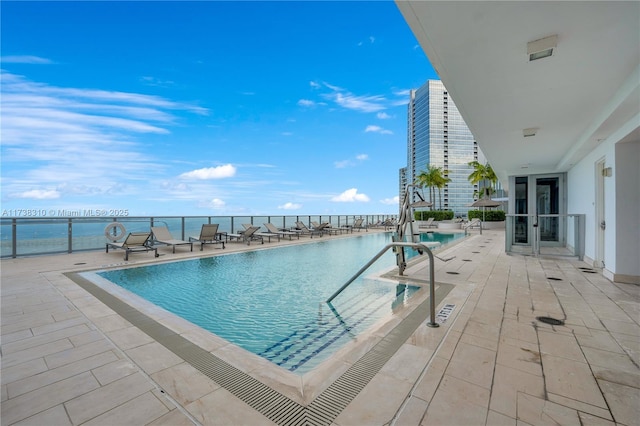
x: 485, y: 202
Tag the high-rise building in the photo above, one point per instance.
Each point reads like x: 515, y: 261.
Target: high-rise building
x: 438, y: 136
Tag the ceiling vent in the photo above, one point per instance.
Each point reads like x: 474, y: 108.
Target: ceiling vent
x: 542, y: 48
x: 530, y: 132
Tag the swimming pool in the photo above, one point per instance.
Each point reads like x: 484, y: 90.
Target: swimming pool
x: 270, y: 302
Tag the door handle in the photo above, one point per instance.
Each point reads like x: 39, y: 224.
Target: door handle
x: 603, y: 225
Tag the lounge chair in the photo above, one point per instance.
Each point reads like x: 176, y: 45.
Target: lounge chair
x: 474, y: 223
x: 247, y: 236
x: 162, y: 235
x: 325, y: 228
x: 304, y: 230
x: 208, y: 235
x: 272, y: 229
x: 429, y: 224
x: 135, y: 242
x: 358, y: 224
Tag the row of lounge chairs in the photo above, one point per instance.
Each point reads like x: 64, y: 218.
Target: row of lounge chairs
x: 209, y: 234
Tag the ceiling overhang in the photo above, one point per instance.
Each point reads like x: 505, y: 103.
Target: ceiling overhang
x: 587, y: 91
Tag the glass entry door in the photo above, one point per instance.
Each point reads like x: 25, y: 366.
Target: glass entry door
x: 548, y: 199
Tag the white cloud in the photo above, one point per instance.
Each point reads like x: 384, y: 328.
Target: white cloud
x: 372, y: 39
x: 377, y: 129
x: 349, y: 196
x: 79, y: 141
x: 217, y: 203
x: 219, y: 172
x: 314, y: 84
x: 383, y: 116
x: 25, y: 59
x: 391, y: 201
x: 306, y: 103
x: 39, y: 194
x: 358, y: 103
x: 350, y: 163
x: 290, y: 206
x: 156, y: 82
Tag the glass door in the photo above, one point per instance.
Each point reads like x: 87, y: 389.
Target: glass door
x: 548, y: 207
x: 521, y: 226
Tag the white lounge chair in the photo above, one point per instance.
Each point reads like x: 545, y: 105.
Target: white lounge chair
x: 162, y: 235
x: 135, y: 242
x: 208, y: 235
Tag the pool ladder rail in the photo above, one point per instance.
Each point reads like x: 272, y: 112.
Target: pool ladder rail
x: 421, y: 247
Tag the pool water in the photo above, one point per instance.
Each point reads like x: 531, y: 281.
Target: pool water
x: 271, y: 302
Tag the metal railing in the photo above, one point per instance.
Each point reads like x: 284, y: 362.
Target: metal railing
x: 546, y: 234
x: 27, y: 236
x: 418, y: 246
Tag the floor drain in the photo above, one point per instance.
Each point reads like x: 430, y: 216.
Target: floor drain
x: 551, y: 321
x: 480, y: 246
x: 589, y: 271
x: 475, y: 252
x: 466, y: 260
x: 453, y: 273
x: 554, y: 278
x: 80, y: 263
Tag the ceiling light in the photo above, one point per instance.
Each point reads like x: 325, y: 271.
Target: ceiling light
x: 541, y: 48
x: 529, y: 132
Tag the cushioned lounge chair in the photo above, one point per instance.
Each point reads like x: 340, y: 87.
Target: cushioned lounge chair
x: 135, y: 242
x: 208, y: 235
x: 247, y: 236
x: 162, y: 235
x: 272, y: 229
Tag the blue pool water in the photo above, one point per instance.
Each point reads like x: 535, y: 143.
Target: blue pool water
x: 271, y: 302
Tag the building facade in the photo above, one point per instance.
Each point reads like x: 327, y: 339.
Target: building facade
x: 438, y: 136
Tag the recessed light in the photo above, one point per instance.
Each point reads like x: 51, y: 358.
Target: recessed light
x: 541, y: 48
x: 531, y: 131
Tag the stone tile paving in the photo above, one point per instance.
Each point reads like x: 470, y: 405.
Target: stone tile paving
x: 67, y: 359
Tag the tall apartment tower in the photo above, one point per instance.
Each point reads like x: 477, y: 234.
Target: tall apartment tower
x: 437, y: 135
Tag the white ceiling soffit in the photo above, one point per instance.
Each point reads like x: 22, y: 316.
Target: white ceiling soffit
x: 586, y: 92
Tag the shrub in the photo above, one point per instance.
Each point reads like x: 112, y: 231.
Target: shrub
x: 489, y: 215
x: 437, y: 215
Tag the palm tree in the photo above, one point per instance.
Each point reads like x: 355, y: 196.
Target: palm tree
x: 429, y: 178
x: 441, y: 181
x: 483, y: 173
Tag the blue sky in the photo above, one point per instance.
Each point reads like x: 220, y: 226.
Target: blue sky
x: 206, y: 108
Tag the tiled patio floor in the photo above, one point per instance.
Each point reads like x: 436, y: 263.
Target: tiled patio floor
x: 67, y: 359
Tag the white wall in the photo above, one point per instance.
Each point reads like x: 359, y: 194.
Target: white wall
x: 581, y: 193
x: 627, y: 178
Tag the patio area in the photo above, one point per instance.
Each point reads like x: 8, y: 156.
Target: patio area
x: 69, y: 359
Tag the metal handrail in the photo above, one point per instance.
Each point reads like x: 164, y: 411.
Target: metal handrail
x: 417, y: 246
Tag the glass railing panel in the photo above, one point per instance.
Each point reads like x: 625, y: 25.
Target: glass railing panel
x: 260, y: 221
x: 6, y: 238
x: 88, y: 234
x: 41, y: 236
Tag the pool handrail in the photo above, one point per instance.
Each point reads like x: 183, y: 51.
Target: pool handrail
x: 418, y: 246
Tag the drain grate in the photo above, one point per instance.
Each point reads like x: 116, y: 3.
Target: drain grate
x: 550, y: 321
x: 467, y: 260
x: 475, y: 252
x: 554, y: 278
x: 589, y: 271
x: 453, y: 273
x: 269, y: 402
